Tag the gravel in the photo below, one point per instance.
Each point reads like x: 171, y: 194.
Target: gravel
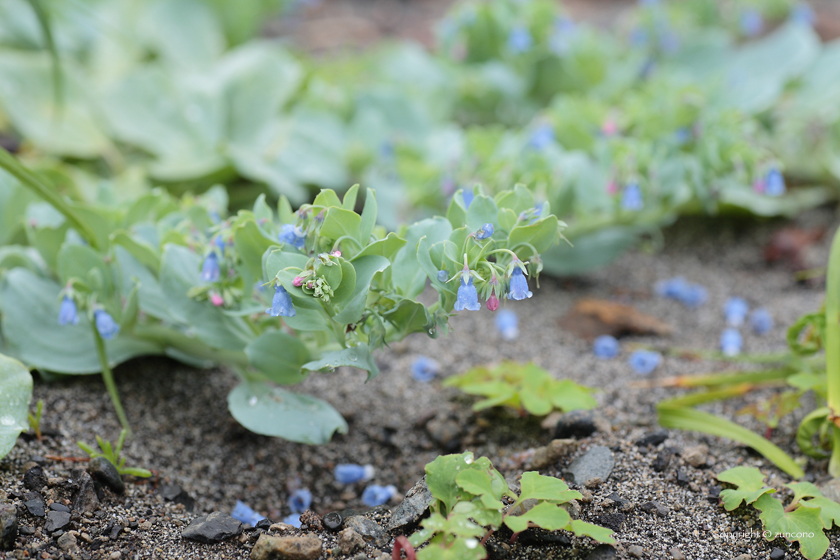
x: 204, y: 461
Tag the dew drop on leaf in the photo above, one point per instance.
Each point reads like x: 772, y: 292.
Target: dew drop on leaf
x: 7, y: 421
x: 252, y: 401
x: 471, y: 543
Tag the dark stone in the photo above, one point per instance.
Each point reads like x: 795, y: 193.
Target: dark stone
x: 212, y: 528
x: 264, y: 524
x: 84, y: 496
x: 35, y: 479
x: 612, y: 520
x: 663, y: 458
x: 598, y: 462
x: 413, y: 508
x: 174, y: 493
x: 105, y: 472
x: 602, y: 552
x: 56, y: 520
x: 367, y: 528
x: 35, y: 504
x: 577, y: 424
x: 132, y: 525
x: 333, y: 521
x: 55, y: 506
x: 540, y: 537
x: 115, y: 531
x: 654, y: 507
x: 682, y: 478
x: 446, y: 431
x: 311, y: 520
x: 653, y: 438
x: 57, y: 534
x: 714, y: 494
x: 8, y: 526
x: 777, y: 554
x: 26, y: 530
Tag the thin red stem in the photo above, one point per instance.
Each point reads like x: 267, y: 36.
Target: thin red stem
x: 401, y: 543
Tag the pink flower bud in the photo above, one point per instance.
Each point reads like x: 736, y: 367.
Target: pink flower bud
x: 216, y: 299
x: 336, y: 253
x: 609, y: 127
x: 297, y: 282
x: 612, y: 187
x: 493, y: 302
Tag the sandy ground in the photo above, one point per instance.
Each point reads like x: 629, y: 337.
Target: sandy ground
x: 184, y: 432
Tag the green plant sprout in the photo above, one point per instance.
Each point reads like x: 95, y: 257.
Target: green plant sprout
x: 801, y: 369
x: 467, y: 508
x: 524, y: 387
x: 804, y: 520
x: 35, y: 419
x: 113, y: 455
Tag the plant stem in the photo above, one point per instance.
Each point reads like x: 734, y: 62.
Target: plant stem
x: 34, y: 183
x: 108, y: 378
x: 832, y: 349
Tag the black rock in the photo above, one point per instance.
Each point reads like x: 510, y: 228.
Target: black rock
x: 598, y: 462
x: 174, y: 493
x: 333, y: 521
x: 620, y: 502
x: 8, y: 526
x: 682, y: 478
x: 34, y: 504
x: 212, y: 528
x: 38, y: 459
x: 367, y: 528
x: 115, y: 531
x: 56, y: 520
x: 663, y: 458
x: 105, y: 472
x: 602, y: 552
x: 496, y: 550
x: 26, y: 530
x: 654, y: 507
x: 84, y: 496
x: 612, y: 520
x: 577, y: 424
x: 653, y: 438
x: 540, y: 537
x: 714, y: 494
x: 777, y: 554
x: 35, y: 479
x: 413, y: 508
x: 55, y: 506
x: 264, y: 524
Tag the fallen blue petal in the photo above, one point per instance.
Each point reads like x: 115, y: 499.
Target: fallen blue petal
x: 375, y: 495
x: 245, y: 514
x: 761, y: 321
x: 735, y: 310
x: 605, y: 347
x: 349, y: 473
x: 644, y: 362
x: 424, y: 369
x: 293, y: 520
x: 300, y: 500
x: 731, y: 342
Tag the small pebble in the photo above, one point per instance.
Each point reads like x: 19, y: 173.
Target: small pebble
x: 676, y: 553
x: 333, y: 521
x: 635, y: 551
x: 777, y: 554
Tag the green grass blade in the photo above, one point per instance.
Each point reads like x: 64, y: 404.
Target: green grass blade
x: 34, y: 183
x: 832, y: 348
x: 44, y: 22
x: 698, y: 421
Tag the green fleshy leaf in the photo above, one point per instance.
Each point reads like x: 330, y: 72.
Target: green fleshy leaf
x: 535, y: 486
x: 358, y: 357
x: 365, y: 269
x: 16, y: 385
x: 272, y: 411
x: 440, y: 477
x: 600, y: 534
x: 279, y: 356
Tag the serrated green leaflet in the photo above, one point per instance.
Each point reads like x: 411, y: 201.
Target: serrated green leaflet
x: 750, y: 486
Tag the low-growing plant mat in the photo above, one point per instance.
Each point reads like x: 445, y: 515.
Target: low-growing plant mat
x: 183, y: 432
